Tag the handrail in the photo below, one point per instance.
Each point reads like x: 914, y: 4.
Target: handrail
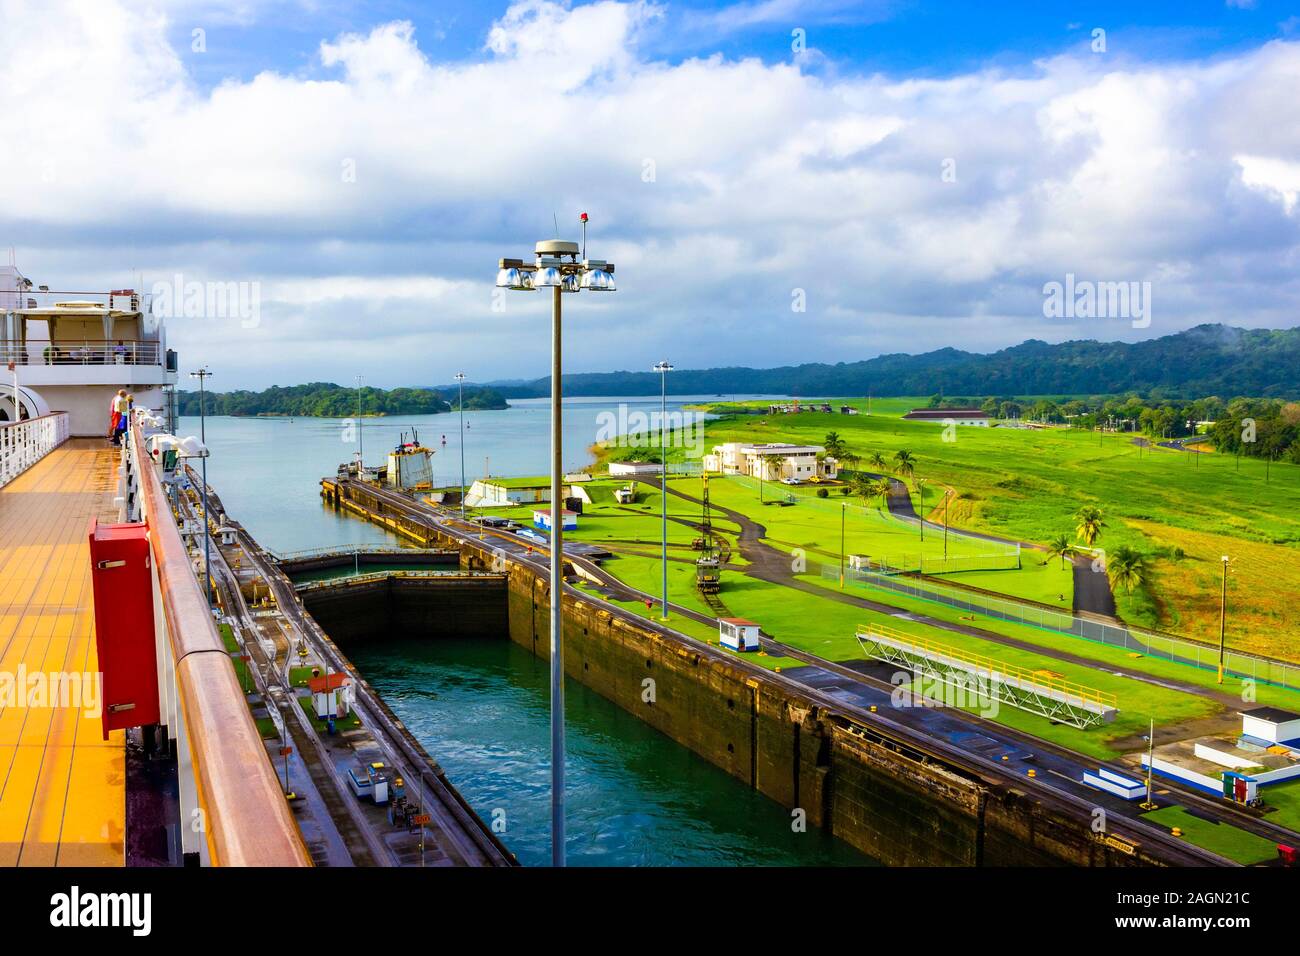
x: 246, y: 819
x: 25, y: 442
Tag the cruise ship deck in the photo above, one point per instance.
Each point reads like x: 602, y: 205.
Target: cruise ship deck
x: 62, y: 786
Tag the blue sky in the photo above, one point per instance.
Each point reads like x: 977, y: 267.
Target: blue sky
x: 911, y: 178
x: 904, y: 37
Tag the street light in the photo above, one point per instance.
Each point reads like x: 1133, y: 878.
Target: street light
x: 1223, y: 613
x: 203, y: 375
x: 556, y: 265
x: 361, y: 467
x: 844, y: 510
x: 460, y: 401
x: 663, y: 368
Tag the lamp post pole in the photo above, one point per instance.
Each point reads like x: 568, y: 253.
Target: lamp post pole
x: 844, y: 509
x: 360, y: 448
x: 1223, y: 613
x: 558, y: 268
x: 557, y: 592
x: 460, y: 401
x: 202, y: 375
x: 663, y: 368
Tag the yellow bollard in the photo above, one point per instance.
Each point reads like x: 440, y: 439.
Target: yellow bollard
x: 1032, y: 773
x: 1176, y: 831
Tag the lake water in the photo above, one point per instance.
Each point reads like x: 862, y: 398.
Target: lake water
x: 268, y: 470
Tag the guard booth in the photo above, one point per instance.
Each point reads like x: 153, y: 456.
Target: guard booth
x: 331, y: 695
x: 124, y: 625
x: 738, y: 633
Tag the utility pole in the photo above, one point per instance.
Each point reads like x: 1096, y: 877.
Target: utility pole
x: 1223, y: 614
x: 663, y: 368
x: 203, y: 375
x: 460, y: 401
x: 360, y: 448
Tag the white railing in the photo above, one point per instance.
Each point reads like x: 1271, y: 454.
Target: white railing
x: 23, y: 444
x: 82, y: 352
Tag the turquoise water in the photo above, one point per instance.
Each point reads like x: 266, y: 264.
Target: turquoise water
x: 635, y: 798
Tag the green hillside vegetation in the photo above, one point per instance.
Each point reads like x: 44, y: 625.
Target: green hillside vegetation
x: 327, y: 400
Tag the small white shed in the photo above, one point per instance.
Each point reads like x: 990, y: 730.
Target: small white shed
x: 738, y: 633
x: 1273, y: 724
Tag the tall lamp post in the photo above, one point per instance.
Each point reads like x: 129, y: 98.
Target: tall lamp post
x: 663, y: 368
x: 203, y: 375
x: 1223, y: 613
x: 460, y: 402
x: 360, y: 448
x: 557, y: 267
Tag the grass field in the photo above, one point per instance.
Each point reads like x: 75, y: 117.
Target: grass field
x: 1027, y: 485
x: 1221, y: 838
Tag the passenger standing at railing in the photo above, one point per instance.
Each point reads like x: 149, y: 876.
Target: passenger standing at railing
x: 117, y: 421
x: 119, y: 353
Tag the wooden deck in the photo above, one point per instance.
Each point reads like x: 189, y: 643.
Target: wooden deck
x: 62, y: 787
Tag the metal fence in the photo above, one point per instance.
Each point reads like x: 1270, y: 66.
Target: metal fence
x: 24, y: 443
x: 1160, y: 646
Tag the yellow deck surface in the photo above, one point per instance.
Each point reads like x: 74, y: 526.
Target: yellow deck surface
x: 62, y: 787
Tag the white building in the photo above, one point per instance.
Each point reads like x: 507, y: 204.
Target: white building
x: 738, y: 633
x: 623, y: 469
x: 72, y: 351
x: 772, y: 461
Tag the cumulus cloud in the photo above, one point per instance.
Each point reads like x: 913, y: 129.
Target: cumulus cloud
x: 371, y: 194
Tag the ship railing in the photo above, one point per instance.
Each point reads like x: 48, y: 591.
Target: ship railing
x: 119, y: 300
x: 233, y: 808
x: 24, y: 443
x: 82, y: 352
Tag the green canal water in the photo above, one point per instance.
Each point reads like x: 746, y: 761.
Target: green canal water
x: 635, y: 797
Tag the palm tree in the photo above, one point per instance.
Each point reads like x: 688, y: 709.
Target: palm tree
x: 1126, y: 567
x: 877, y: 461
x: 880, y: 489
x: 833, y: 444
x: 906, y: 463
x: 864, y: 487
x: 1061, y: 546
x: 849, y: 460
x: 1089, y: 524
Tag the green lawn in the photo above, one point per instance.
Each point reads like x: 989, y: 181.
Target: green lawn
x: 1027, y: 485
x: 1221, y: 838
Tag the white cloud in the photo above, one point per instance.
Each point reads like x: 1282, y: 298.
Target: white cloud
x: 766, y: 179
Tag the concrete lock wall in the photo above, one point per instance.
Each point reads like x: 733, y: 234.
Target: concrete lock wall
x: 410, y: 608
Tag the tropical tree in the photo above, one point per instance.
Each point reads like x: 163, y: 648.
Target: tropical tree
x: 1061, y: 546
x: 877, y: 461
x: 884, y: 488
x: 849, y: 460
x: 905, y: 463
x: 1126, y: 567
x: 1089, y: 524
x: 833, y: 444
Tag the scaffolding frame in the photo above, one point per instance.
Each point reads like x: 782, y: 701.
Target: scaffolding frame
x: 1046, y: 695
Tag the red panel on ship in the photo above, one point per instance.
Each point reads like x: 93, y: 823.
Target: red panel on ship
x: 124, y: 624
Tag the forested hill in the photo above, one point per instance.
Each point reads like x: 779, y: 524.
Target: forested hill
x: 1206, y: 360
x: 327, y: 400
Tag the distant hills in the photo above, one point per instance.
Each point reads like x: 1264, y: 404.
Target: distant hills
x: 328, y: 400
x: 1205, y: 360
